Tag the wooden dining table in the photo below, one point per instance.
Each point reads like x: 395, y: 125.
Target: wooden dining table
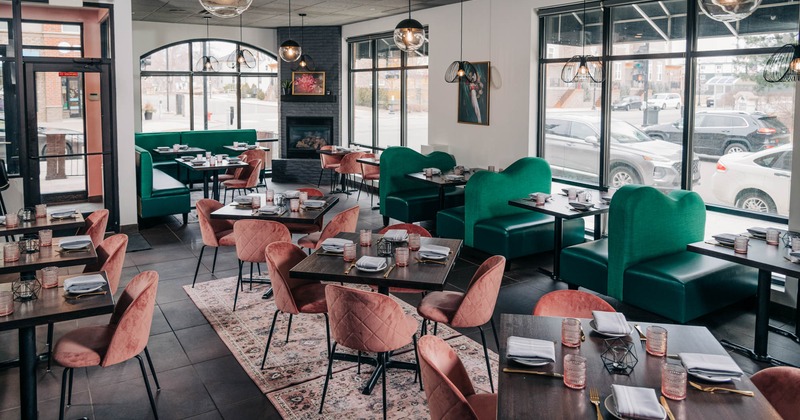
x: 531, y: 395
x: 40, y: 223
x: 442, y: 182
x: 305, y: 215
x: 213, y: 171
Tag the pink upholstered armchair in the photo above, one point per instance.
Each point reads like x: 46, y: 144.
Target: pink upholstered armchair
x: 409, y: 227
x: 349, y: 167
x: 447, y: 384
x: 345, y: 221
x: 215, y: 232
x: 247, y: 180
x: 328, y: 162
x: 95, y: 227
x: 306, y: 228
x: 252, y: 238
x: 570, y: 304
x: 781, y: 386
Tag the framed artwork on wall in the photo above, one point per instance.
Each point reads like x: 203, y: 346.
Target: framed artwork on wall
x: 473, y: 95
x: 308, y: 83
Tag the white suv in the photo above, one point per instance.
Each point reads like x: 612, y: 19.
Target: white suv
x: 665, y: 100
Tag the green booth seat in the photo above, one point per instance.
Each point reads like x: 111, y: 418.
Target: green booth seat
x: 586, y: 265
x: 158, y: 194
x: 409, y: 200
x: 486, y: 221
x: 149, y: 141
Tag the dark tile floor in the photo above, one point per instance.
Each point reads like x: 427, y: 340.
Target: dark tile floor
x: 201, y: 379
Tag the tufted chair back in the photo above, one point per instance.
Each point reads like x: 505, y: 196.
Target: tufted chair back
x: 96, y: 226
x: 110, y: 258
x: 570, y: 304
x: 349, y: 165
x: 447, y: 384
x: 252, y: 172
x: 253, y: 236
x: 370, y: 172
x: 478, y: 304
x: 281, y: 257
x: 781, y: 386
x: 345, y: 221
x: 312, y: 192
x: 409, y: 227
x: 132, y: 315
x: 209, y: 228
x: 329, y: 161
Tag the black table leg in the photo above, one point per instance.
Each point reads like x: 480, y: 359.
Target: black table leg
x: 558, y: 225
x: 792, y: 336
x: 27, y: 372
x: 441, y: 198
x: 598, y: 227
x: 205, y: 185
x: 215, y: 185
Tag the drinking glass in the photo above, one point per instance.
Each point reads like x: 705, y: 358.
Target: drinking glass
x: 571, y: 332
x: 796, y: 243
x: 413, y: 241
x: 580, y: 197
x: 673, y: 381
x: 41, y: 211
x: 176, y: 147
x: 401, y: 256
x: 572, y: 194
x: 303, y: 197
x: 45, y: 237
x: 575, y: 371
x: 541, y: 198
x: 491, y: 168
x: 199, y: 156
x: 349, y: 253
x: 294, y: 204
x: 50, y: 277
x: 270, y: 195
x: 365, y: 237
x: 656, y: 341
x: 740, y: 244
x: 428, y: 172
x: 12, y: 219
x: 208, y: 155
x: 6, y: 303
x: 773, y: 236
x: 11, y: 252
x: 256, y: 203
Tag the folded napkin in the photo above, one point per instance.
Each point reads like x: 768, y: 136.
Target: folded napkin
x: 83, y: 284
x: 396, y: 235
x: 637, y: 403
x: 371, y: 263
x: 436, y: 171
x: 531, y: 349
x: 243, y: 199
x: 75, y: 241
x: 65, y: 212
x: 291, y: 194
x: 336, y: 242
x: 714, y: 365
x: 610, y: 322
x: 434, y: 249
x: 269, y: 209
x: 453, y: 177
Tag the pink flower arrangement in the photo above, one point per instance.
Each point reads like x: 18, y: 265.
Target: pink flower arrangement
x: 306, y: 83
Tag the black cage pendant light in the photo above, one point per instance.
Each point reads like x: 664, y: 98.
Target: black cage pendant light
x: 290, y: 51
x: 243, y: 56
x: 460, y: 68
x: 409, y: 35
x: 207, y: 62
x: 582, y: 68
x: 784, y: 64
x: 306, y: 63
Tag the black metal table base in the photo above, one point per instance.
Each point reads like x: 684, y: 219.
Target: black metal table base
x: 780, y: 331
x: 373, y: 380
x: 749, y: 353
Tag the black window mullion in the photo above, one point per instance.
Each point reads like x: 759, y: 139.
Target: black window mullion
x: 605, y: 102
x: 375, y: 132
x: 689, y: 95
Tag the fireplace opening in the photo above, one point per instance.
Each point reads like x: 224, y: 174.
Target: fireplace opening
x: 306, y: 135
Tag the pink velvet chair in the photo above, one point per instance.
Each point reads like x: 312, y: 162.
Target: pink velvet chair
x: 328, y: 162
x: 570, y: 304
x: 447, y: 385
x: 124, y: 338
x: 349, y: 167
x: 215, y: 232
x: 306, y: 228
x: 367, y: 322
x: 369, y: 173
x: 345, y: 221
x: 471, y: 309
x: 252, y: 238
x: 293, y: 296
x: 781, y: 386
x: 232, y: 173
x: 409, y: 227
x: 95, y: 227
x: 247, y: 180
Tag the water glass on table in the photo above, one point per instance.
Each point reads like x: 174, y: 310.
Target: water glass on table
x: 50, y: 277
x: 656, y: 341
x: 575, y: 371
x: 365, y: 237
x: 349, y: 253
x: 401, y: 256
x: 303, y: 197
x: 6, y: 303
x: 740, y: 244
x: 572, y: 194
x: 256, y: 202
x: 571, y: 332
x: 41, y: 211
x: 46, y: 237
x: 11, y: 252
x: 673, y: 381
x: 413, y: 241
x: 294, y: 204
x: 12, y: 219
x: 270, y: 195
x: 773, y: 236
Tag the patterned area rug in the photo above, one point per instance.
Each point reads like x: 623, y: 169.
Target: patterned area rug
x: 295, y: 369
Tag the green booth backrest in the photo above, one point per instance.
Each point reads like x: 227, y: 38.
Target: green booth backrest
x: 644, y: 223
x: 149, y: 141
x: 215, y: 141
x: 144, y: 172
x: 396, y: 162
x: 487, y: 193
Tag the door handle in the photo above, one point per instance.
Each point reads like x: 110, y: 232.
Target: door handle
x: 782, y: 175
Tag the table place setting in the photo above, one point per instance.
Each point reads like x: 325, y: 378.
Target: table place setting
x: 335, y: 245
x: 63, y: 214
x: 530, y: 351
x: 435, y: 254
x: 75, y: 243
x: 635, y: 403
x: 610, y: 324
x: 429, y: 172
x: 540, y: 198
x: 86, y: 285
x: 396, y: 235
x: 711, y: 367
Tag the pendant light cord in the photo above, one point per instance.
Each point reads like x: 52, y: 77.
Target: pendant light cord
x: 461, y: 45
x: 290, y: 19
x: 302, y: 29
x: 583, y: 32
x: 409, y: 9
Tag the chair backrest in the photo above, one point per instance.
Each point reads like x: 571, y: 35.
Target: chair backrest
x: 409, y: 227
x: 252, y: 172
x: 570, y: 304
x: 370, y: 170
x: 447, y: 384
x: 281, y: 257
x: 781, y: 386
x: 110, y: 258
x: 325, y: 160
x: 638, y: 215
x: 253, y: 236
x: 251, y: 154
x: 366, y: 321
x: 132, y: 315
x: 349, y: 165
x: 487, y: 193
x: 481, y: 296
x: 95, y: 226
x: 396, y: 162
x: 312, y: 192
x: 210, y: 227
x: 345, y: 221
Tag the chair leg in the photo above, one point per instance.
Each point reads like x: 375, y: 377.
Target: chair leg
x: 152, y: 368
x: 238, y: 283
x: 327, y: 334
x: 361, y: 187
x: 486, y: 355
x: 494, y: 331
x: 197, y: 269
x: 321, y: 171
x: 214, y: 264
x: 63, y: 392
x: 147, y: 386
x: 251, y: 276
x: 371, y: 193
x: 258, y: 266
x: 423, y: 329
x: 385, y: 221
x: 383, y: 375
x: 185, y: 219
x: 435, y: 327
x: 418, y: 373
x: 358, y: 371
x: 327, y: 377
x: 269, y: 338
x: 50, y: 328
x: 289, y: 328
x: 69, y: 387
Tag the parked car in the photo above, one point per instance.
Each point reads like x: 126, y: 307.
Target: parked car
x: 718, y: 133
x: 572, y: 148
x: 627, y: 103
x: 755, y: 181
x: 665, y: 100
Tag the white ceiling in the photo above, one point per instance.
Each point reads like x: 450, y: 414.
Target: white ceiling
x: 275, y: 13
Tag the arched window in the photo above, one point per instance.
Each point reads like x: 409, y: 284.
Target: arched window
x: 175, y: 97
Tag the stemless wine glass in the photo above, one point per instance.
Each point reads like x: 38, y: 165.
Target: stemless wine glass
x: 740, y: 244
x: 401, y: 256
x: 12, y: 219
x: 656, y: 341
x: 349, y: 253
x: 256, y: 202
x: 575, y: 371
x: 49, y: 277
x: 294, y: 204
x: 11, y: 252
x: 571, y: 332
x: 413, y: 241
x: 270, y: 195
x: 673, y: 381
x: 773, y: 236
x: 46, y: 237
x: 303, y: 197
x: 365, y: 237
x: 572, y: 194
x: 41, y: 211
x: 6, y: 303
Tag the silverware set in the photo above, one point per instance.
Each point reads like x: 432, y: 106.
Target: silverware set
x: 713, y: 389
x: 424, y: 261
x: 71, y: 296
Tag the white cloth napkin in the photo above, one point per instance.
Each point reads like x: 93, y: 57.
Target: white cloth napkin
x: 453, y: 177
x: 610, y: 322
x: 83, y: 284
x: 65, y: 212
x: 435, y: 250
x: 269, y: 209
x: 396, y: 235
x: 291, y: 194
x: 243, y: 199
x: 436, y: 171
x: 531, y: 349
x: 714, y: 365
x: 337, y: 243
x: 75, y: 241
x: 637, y: 403
x: 371, y: 263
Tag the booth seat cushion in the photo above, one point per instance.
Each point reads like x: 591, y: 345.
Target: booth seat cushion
x: 450, y: 223
x: 586, y: 265
x: 164, y: 185
x: 521, y: 234
x: 685, y: 285
x: 420, y: 204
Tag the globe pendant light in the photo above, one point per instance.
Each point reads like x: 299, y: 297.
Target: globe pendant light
x: 784, y: 64
x: 306, y: 63
x: 460, y: 68
x: 242, y: 56
x: 226, y: 8
x: 582, y: 68
x: 290, y: 51
x: 409, y: 35
x: 207, y: 63
x: 728, y: 10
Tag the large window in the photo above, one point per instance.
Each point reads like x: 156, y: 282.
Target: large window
x: 174, y: 97
x: 632, y: 128
x: 388, y: 94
